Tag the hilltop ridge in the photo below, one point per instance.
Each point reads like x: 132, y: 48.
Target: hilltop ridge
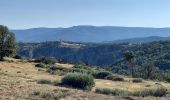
x: 86, y: 33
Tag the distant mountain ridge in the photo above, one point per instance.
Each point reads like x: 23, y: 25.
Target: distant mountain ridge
x: 92, y: 34
x: 141, y: 40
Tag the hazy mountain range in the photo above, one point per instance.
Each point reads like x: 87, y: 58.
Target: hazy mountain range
x: 93, y: 34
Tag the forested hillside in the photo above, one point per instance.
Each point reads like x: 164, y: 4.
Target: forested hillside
x: 90, y: 53
x: 99, y: 54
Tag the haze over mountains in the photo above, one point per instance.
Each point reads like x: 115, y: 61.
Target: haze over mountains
x: 93, y: 34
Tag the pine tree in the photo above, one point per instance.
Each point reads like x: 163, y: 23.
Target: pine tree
x: 129, y: 57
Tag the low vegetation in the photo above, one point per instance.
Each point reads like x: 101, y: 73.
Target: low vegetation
x: 168, y: 80
x: 54, y: 69
x: 40, y: 65
x: 50, y: 84
x: 78, y: 80
x: 137, y: 80
x: 156, y: 92
x: 79, y: 70
x: 50, y: 95
x: 44, y: 81
x: 102, y: 74
x: 46, y: 60
x: 18, y: 57
x: 114, y: 78
x: 114, y: 92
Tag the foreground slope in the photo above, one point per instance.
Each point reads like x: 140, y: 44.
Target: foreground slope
x: 18, y: 81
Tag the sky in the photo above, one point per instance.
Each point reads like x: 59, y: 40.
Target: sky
x: 23, y: 14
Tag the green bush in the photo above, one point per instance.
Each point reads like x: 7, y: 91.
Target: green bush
x: 44, y: 81
x: 57, y: 69
x: 78, y: 80
x: 78, y: 70
x: 36, y: 92
x: 118, y: 79
x: 160, y: 91
x: 137, y: 80
x: 157, y: 92
x: 40, y: 65
x: 56, y: 82
x: 17, y: 57
x: 114, y: 78
x: 101, y: 74
x: 54, y: 68
x: 51, y: 95
x: 110, y: 77
x: 46, y: 60
x: 168, y: 79
x: 114, y: 92
x: 18, y: 71
x: 104, y: 91
x: 79, y: 66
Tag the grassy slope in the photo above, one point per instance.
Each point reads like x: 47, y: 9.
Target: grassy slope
x: 18, y: 81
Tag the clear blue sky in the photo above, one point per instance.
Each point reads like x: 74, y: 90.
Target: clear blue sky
x: 19, y: 14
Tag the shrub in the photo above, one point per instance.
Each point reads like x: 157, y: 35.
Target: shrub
x: 56, y: 82
x: 157, y: 92
x: 78, y: 80
x: 40, y: 65
x: 78, y: 70
x: 79, y: 66
x: 160, y: 91
x: 36, y: 92
x: 103, y: 91
x: 110, y: 77
x: 48, y: 95
x: 17, y: 57
x: 46, y: 60
x: 114, y: 92
x: 101, y: 74
x: 55, y: 69
x: 118, y: 78
x: 51, y: 95
x: 44, y: 81
x: 18, y: 71
x: 168, y: 79
x: 137, y: 80
x: 158, y: 84
x: 114, y: 78
x: 148, y: 85
x: 82, y: 66
x: 41, y: 70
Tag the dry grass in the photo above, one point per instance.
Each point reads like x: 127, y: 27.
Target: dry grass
x: 20, y: 86
x: 65, y: 65
x: 128, y: 85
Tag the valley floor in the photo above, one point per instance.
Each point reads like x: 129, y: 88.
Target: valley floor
x: 18, y: 82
